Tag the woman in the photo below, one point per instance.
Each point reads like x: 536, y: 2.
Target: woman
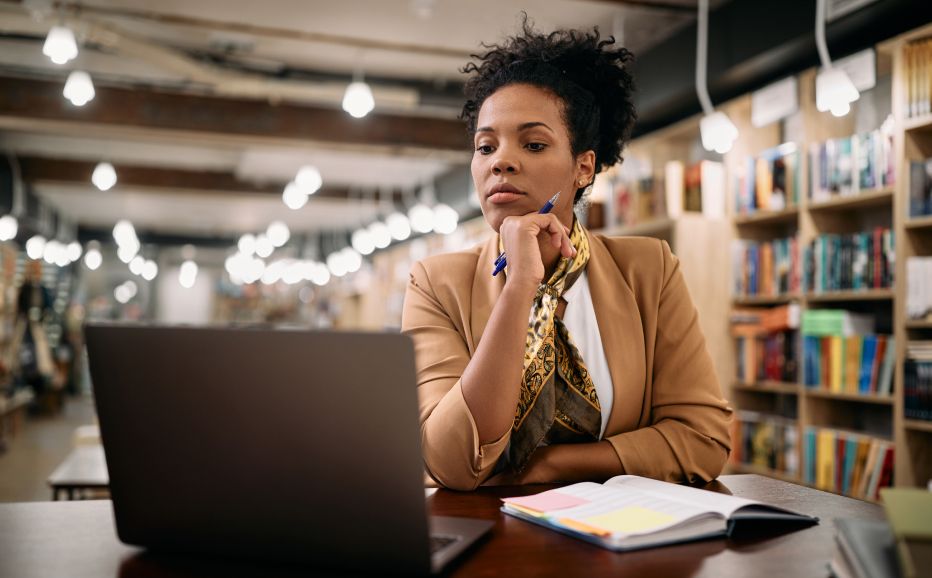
x: 610, y: 373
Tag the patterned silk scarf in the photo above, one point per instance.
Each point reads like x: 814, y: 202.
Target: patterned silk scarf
x: 558, y: 402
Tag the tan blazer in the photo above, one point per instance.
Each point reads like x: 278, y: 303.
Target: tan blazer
x: 668, y: 421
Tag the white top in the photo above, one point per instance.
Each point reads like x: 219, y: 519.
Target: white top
x: 579, y: 318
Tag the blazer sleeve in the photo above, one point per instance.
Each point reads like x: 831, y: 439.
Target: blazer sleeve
x: 688, y: 435
x: 449, y: 437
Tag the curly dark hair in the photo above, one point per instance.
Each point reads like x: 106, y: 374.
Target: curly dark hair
x: 587, y: 74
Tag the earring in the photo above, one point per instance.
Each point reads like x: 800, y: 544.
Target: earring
x: 582, y: 182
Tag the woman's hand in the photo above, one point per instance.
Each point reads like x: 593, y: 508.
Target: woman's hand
x: 531, y: 241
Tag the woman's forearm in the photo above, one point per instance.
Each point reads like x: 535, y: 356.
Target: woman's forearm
x: 595, y: 461
x: 492, y: 380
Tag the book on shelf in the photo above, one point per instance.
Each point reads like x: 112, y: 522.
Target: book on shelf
x: 765, y: 441
x: 920, y: 188
x: 917, y: 381
x: 908, y: 512
x: 852, y: 165
x: 765, y: 268
x: 841, y: 353
x: 864, y: 549
x: 630, y: 193
x: 854, y: 262
x: 918, y: 71
x: 632, y: 512
x: 765, y: 343
x: 918, y: 287
x: 769, y: 181
x: 848, y: 463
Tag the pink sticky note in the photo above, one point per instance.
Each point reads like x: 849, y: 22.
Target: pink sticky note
x: 547, y: 501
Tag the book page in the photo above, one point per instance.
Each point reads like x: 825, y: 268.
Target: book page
x: 704, y: 500
x: 606, y: 511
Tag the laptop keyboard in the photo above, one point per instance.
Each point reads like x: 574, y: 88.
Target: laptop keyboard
x: 440, y: 541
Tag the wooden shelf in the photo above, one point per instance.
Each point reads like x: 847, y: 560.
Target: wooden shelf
x: 919, y: 324
x: 765, y: 299
x: 847, y: 203
x: 919, y: 223
x: 859, y: 295
x: 875, y: 399
x: 768, y: 387
x: 918, y: 425
x: 920, y: 123
x: 645, y: 229
x: 788, y: 215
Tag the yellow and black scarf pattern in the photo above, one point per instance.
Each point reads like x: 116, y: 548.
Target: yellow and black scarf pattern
x: 558, y: 402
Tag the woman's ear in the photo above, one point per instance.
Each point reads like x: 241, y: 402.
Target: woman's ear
x: 585, y: 168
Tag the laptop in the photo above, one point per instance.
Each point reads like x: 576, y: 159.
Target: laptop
x: 296, y: 447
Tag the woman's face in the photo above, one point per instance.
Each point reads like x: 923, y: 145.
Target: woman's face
x: 523, y: 156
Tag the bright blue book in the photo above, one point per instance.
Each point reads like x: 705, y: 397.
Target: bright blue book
x: 868, y: 352
x: 851, y: 452
x: 809, y: 455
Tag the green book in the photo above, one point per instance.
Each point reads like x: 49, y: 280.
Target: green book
x: 909, y: 511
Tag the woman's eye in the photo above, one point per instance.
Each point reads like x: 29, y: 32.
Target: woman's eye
x: 536, y: 146
x: 484, y: 149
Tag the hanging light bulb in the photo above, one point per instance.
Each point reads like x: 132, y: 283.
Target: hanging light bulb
x: 358, y: 100
x: 247, y: 244
x: 446, y: 219
x: 93, y: 259
x: 320, y: 275
x: 351, y: 259
x: 362, y: 241
x: 104, y: 176
x: 264, y: 246
x: 399, y: 226
x: 187, y: 275
x: 422, y: 218
x: 8, y: 227
x: 717, y: 131
x: 60, y: 45
x: 137, y: 264
x: 834, y: 90
x: 336, y: 264
x: 35, y: 247
x: 78, y: 88
x: 308, y: 179
x: 74, y: 251
x: 150, y: 270
x: 381, y: 235
x: 293, y: 197
x: 278, y: 233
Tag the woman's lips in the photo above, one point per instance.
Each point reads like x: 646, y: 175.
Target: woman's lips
x: 504, y: 197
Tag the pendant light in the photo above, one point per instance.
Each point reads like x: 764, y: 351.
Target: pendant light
x: 717, y: 131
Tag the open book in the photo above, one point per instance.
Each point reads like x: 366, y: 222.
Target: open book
x: 631, y: 512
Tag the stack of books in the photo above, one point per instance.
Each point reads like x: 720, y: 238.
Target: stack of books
x: 842, y: 354
x: 920, y: 188
x: 917, y: 56
x: 917, y: 372
x: 856, y: 262
x: 765, y: 343
x: 699, y: 188
x: 852, y: 165
x: 765, y: 441
x: 765, y: 268
x: 769, y: 182
x: 845, y: 462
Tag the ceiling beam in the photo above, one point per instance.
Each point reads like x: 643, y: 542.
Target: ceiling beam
x: 26, y: 103
x: 661, y: 5
x: 44, y: 170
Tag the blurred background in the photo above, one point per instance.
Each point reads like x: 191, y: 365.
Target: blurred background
x: 286, y: 162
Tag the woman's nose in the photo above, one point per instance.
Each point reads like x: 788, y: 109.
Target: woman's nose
x: 504, y: 164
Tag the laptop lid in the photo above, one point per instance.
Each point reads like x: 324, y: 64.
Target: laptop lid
x: 291, y: 446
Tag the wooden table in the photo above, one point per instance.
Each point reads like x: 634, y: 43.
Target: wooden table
x: 85, y: 468
x: 77, y: 539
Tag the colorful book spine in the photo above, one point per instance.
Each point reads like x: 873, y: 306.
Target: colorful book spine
x: 848, y: 463
x: 859, y: 261
x: 855, y: 364
x: 768, y: 268
x: 765, y: 441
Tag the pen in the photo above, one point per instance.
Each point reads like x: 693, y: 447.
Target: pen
x: 500, y: 262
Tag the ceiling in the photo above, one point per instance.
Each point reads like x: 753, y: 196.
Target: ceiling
x: 252, y: 90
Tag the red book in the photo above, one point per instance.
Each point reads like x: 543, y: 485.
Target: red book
x: 878, y: 359
x: 886, y: 473
x: 840, y: 442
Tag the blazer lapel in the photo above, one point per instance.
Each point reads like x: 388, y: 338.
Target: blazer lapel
x: 485, y: 291
x: 621, y: 328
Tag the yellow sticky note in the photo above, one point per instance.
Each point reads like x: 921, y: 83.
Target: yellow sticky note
x: 630, y: 520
